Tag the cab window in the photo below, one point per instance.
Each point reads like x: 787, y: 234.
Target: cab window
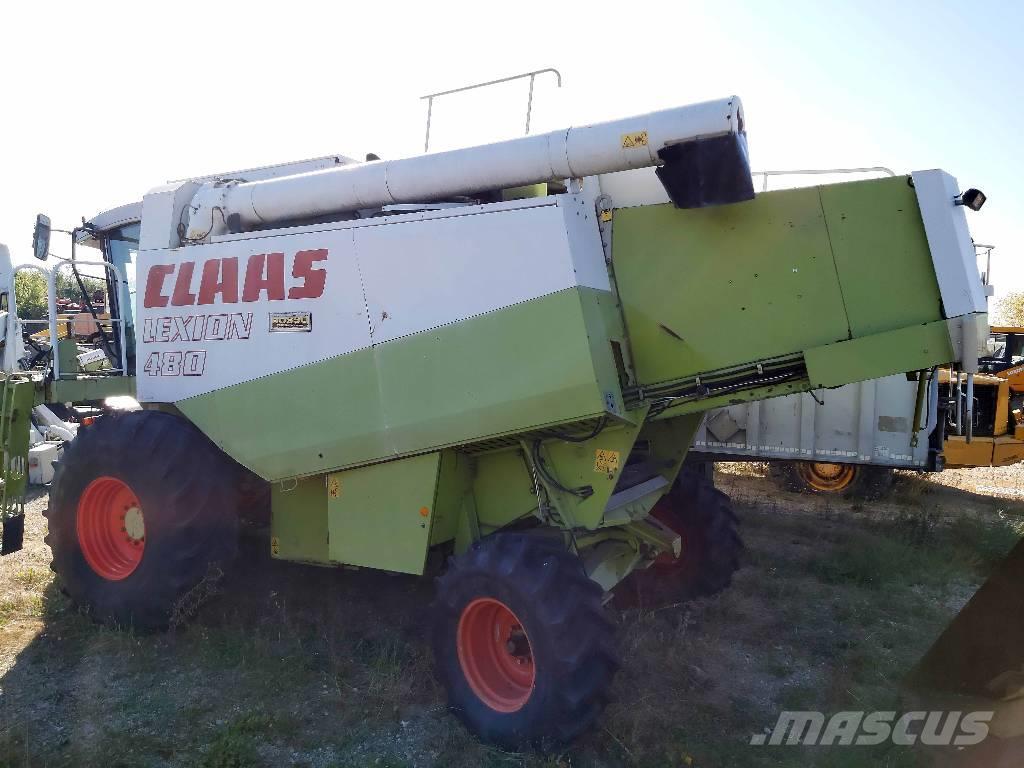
x: 121, y: 248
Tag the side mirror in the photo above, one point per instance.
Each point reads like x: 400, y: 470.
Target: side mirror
x: 41, y: 237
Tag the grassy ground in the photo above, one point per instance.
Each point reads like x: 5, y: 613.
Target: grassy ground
x: 293, y: 665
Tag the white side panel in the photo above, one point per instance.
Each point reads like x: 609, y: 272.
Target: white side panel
x: 580, y: 222
x: 425, y: 274
x: 631, y: 188
x: 195, y: 348
x: 375, y: 281
x: 12, y: 349
x: 949, y: 240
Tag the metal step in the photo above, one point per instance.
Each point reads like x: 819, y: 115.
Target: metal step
x: 631, y: 503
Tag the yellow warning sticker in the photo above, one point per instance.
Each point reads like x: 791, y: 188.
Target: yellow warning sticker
x: 633, y: 140
x: 606, y: 462
x: 275, y: 546
x: 334, y: 487
x: 606, y: 216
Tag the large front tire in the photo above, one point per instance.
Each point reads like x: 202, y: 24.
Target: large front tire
x: 522, y: 643
x: 141, y: 506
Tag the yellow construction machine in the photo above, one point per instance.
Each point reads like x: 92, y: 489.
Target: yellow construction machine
x: 995, y: 435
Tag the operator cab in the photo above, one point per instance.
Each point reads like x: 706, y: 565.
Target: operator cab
x: 115, y: 233
x: 84, y: 328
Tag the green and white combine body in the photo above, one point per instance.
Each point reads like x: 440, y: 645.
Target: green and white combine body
x: 420, y: 353
x: 399, y: 378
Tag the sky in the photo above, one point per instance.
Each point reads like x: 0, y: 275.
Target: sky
x: 102, y: 101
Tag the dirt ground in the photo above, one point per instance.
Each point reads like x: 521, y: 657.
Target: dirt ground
x: 288, y: 665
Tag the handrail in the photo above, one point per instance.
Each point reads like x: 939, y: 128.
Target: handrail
x: 821, y: 172
x: 987, y: 277
x: 529, y: 100
x: 51, y: 296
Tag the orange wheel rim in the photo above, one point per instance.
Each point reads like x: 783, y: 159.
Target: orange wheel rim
x: 827, y: 476
x: 495, y: 655
x: 111, y: 528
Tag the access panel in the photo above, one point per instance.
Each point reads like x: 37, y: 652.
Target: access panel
x: 380, y: 516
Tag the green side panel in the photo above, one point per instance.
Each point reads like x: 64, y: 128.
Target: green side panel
x: 708, y: 288
x: 669, y: 441
x: 533, y: 364
x: 454, y: 489
x: 595, y: 464
x: 502, y: 488
x: 379, y: 516
x: 505, y: 371
x: 881, y: 255
x: 298, y: 527
x: 88, y: 389
x: 503, y: 485
x: 603, y: 320
x: 302, y: 421
x: 18, y: 397
x: 883, y: 354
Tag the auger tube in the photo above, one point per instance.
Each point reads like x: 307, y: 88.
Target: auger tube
x: 589, y: 150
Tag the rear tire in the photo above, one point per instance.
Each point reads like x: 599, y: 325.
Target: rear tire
x: 855, y: 481
x: 522, y: 643
x: 141, y: 507
x: 711, y: 546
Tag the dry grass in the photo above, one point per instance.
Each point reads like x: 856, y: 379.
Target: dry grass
x: 293, y: 665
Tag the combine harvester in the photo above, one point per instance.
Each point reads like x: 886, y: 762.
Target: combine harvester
x: 499, y: 353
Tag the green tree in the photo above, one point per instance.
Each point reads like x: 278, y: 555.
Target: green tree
x: 1010, y: 310
x: 67, y: 286
x: 30, y: 292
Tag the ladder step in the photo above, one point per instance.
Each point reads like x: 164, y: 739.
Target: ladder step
x: 626, y: 496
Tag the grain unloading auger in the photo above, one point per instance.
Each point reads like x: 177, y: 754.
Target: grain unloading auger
x: 501, y: 353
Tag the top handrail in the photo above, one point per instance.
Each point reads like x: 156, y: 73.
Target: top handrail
x: 821, y: 172
x: 529, y: 101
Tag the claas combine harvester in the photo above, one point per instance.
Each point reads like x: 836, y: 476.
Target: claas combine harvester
x: 498, y: 353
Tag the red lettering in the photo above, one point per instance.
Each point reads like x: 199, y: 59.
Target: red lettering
x: 313, y: 280
x: 154, y: 296
x: 264, y: 272
x: 182, y: 297
x: 220, y: 276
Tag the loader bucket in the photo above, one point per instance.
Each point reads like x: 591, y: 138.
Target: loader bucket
x: 977, y: 664
x: 981, y: 652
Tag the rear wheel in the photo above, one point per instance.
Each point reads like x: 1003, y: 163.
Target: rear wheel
x: 141, y: 507
x: 824, y: 477
x: 711, y: 546
x: 521, y: 642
